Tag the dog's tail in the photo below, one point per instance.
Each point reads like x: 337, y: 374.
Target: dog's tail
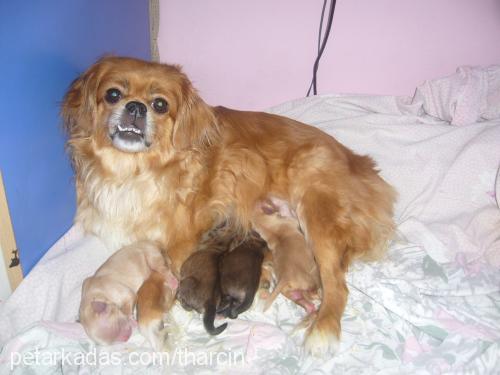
x: 208, y: 320
x: 277, y: 290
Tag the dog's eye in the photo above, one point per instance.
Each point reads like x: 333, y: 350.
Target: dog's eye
x: 160, y: 105
x: 113, y: 95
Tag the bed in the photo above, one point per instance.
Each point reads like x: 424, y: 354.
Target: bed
x: 432, y: 305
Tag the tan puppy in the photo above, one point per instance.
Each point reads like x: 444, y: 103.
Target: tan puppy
x: 153, y: 299
x: 108, y: 297
x: 293, y: 262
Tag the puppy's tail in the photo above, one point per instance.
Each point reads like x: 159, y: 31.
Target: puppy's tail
x: 277, y: 290
x: 208, y: 320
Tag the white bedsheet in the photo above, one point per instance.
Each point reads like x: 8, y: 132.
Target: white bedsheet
x: 432, y: 306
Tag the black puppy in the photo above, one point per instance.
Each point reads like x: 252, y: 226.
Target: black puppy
x: 240, y: 271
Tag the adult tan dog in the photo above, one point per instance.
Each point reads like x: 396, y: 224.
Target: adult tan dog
x: 153, y: 161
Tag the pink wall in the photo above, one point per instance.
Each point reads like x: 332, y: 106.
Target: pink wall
x: 255, y: 54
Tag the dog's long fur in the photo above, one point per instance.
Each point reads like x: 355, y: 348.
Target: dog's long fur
x: 206, y: 163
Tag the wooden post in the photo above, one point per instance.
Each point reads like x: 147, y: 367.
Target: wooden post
x: 8, y: 245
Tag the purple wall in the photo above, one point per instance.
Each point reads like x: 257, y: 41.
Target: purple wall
x: 254, y: 54
x: 44, y: 45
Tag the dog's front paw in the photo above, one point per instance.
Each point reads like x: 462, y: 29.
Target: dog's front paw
x: 322, y: 337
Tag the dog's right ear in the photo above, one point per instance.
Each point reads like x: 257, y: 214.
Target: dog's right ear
x: 79, y: 103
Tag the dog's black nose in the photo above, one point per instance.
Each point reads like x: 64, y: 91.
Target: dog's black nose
x: 136, y: 108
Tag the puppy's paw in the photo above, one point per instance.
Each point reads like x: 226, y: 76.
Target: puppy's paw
x: 171, y: 281
x: 264, y: 291
x: 322, y: 337
x: 260, y: 302
x: 266, y: 279
x: 263, y: 294
x: 156, y: 332
x: 265, y: 284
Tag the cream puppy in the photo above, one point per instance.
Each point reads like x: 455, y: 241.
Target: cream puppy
x: 109, y: 297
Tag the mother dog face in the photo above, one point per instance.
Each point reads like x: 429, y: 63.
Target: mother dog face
x: 135, y: 106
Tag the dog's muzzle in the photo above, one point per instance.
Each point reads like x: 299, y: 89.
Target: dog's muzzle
x: 129, y: 130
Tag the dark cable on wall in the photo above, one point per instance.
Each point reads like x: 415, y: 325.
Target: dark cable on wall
x: 322, y: 45
x: 320, y: 33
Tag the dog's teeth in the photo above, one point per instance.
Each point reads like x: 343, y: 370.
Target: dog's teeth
x: 132, y: 129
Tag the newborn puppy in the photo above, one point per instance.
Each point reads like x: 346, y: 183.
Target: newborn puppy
x: 294, y: 265
x: 199, y: 286
x: 155, y: 297
x: 108, y: 297
x: 240, y: 271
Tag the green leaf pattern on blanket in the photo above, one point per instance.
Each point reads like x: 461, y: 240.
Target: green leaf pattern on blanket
x: 431, y: 268
x: 387, y: 352
x: 434, y: 331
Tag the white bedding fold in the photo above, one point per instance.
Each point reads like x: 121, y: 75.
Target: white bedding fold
x: 470, y: 95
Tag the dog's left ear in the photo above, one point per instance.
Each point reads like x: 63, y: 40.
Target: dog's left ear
x: 195, y: 124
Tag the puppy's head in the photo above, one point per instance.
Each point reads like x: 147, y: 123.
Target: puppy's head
x: 136, y: 106
x: 105, y: 323
x: 187, y: 296
x: 229, y: 306
x: 104, y: 320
